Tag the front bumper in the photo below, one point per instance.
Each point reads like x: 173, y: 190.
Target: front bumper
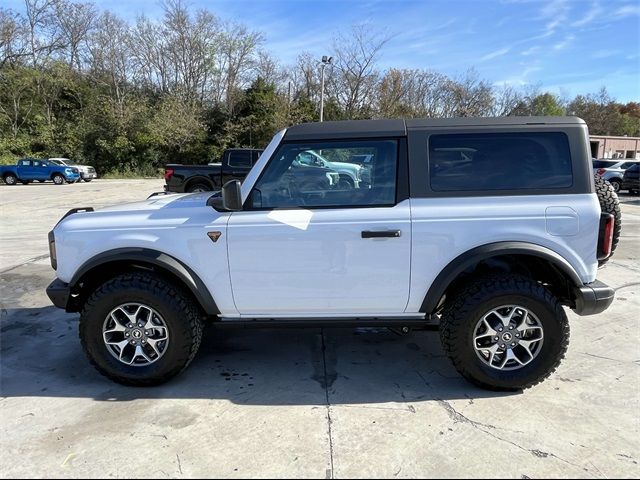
x: 59, y: 293
x: 593, y: 298
x: 90, y: 175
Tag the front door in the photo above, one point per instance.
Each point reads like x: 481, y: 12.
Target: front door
x: 307, y: 245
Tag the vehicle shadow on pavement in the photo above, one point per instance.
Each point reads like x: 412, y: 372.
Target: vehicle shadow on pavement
x: 41, y: 355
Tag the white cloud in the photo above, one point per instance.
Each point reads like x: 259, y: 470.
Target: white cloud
x: 594, y: 12
x: 561, y: 45
x: 555, y: 13
x: 495, y: 54
x: 531, y: 51
x: 604, y: 53
x: 627, y: 10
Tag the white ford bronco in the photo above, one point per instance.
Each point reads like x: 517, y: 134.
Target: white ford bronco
x: 487, y: 227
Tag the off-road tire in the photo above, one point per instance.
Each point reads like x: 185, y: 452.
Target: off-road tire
x: 58, y: 179
x: 472, y: 302
x: 609, y: 203
x: 179, y: 311
x: 10, y: 179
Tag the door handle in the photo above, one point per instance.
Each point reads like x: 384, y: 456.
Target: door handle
x: 381, y: 234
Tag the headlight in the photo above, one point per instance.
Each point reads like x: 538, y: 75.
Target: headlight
x: 52, y: 250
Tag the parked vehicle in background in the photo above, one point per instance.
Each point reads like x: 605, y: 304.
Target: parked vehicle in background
x: 87, y: 172
x: 451, y: 230
x: 28, y: 170
x: 631, y: 179
x: 350, y: 173
x: 612, y: 170
x: 234, y: 165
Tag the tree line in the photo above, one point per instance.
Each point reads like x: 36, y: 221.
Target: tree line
x: 130, y: 96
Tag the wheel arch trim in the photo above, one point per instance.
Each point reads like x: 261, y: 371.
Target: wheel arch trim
x: 484, y: 252
x: 162, y: 260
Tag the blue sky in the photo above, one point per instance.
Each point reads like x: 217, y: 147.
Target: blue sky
x: 565, y: 46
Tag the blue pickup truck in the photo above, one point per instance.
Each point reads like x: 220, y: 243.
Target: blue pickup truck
x: 29, y: 169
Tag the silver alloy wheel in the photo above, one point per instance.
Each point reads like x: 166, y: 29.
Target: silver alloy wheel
x: 58, y: 179
x: 135, y: 334
x: 10, y: 180
x: 508, y: 337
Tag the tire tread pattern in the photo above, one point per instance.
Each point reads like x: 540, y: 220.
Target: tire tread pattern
x: 457, y: 311
x: 191, y: 321
x: 609, y: 203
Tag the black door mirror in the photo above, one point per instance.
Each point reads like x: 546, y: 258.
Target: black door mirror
x: 232, y: 196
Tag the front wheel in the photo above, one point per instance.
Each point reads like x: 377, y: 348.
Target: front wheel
x: 139, y: 329
x: 10, y: 179
x: 58, y: 179
x: 507, y: 333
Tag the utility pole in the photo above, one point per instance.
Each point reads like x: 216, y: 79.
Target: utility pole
x: 325, y: 61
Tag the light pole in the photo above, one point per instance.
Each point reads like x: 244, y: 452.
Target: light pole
x: 325, y: 61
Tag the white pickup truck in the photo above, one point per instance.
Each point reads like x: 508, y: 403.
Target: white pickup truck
x: 488, y: 227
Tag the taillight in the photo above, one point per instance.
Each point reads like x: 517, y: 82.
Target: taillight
x: 605, y: 237
x: 600, y: 171
x: 168, y: 173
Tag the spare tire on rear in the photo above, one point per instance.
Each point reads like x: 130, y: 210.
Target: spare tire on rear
x: 609, y: 203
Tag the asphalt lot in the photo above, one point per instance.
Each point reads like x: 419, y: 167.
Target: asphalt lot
x: 301, y: 403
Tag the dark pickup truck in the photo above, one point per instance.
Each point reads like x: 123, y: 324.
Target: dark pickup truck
x: 235, y: 164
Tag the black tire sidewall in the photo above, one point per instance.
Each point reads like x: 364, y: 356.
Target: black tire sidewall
x: 173, y: 359
x: 193, y: 188
x: 464, y: 356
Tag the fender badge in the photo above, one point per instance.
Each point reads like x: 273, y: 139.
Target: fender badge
x: 214, y: 236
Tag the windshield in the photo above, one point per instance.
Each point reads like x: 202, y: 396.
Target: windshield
x: 57, y: 162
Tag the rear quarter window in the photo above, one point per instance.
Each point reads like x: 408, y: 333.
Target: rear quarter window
x: 499, y: 161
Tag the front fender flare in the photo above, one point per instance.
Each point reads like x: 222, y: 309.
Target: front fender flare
x: 144, y: 255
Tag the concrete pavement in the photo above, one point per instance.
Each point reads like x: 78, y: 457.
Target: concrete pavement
x: 301, y: 403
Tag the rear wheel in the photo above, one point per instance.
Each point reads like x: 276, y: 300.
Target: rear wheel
x: 10, y: 179
x: 199, y: 187
x: 139, y: 329
x: 87, y: 179
x: 609, y: 203
x: 58, y: 179
x: 507, y: 333
x: 615, y: 183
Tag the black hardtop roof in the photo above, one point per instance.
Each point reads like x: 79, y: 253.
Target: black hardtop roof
x: 399, y: 127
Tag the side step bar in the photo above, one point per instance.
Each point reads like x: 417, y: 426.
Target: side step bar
x: 353, y: 322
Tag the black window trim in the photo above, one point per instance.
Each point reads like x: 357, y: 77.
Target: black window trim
x: 418, y: 140
x: 402, y: 174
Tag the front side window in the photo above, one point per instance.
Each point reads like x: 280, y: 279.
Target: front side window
x: 323, y: 175
x: 499, y: 161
